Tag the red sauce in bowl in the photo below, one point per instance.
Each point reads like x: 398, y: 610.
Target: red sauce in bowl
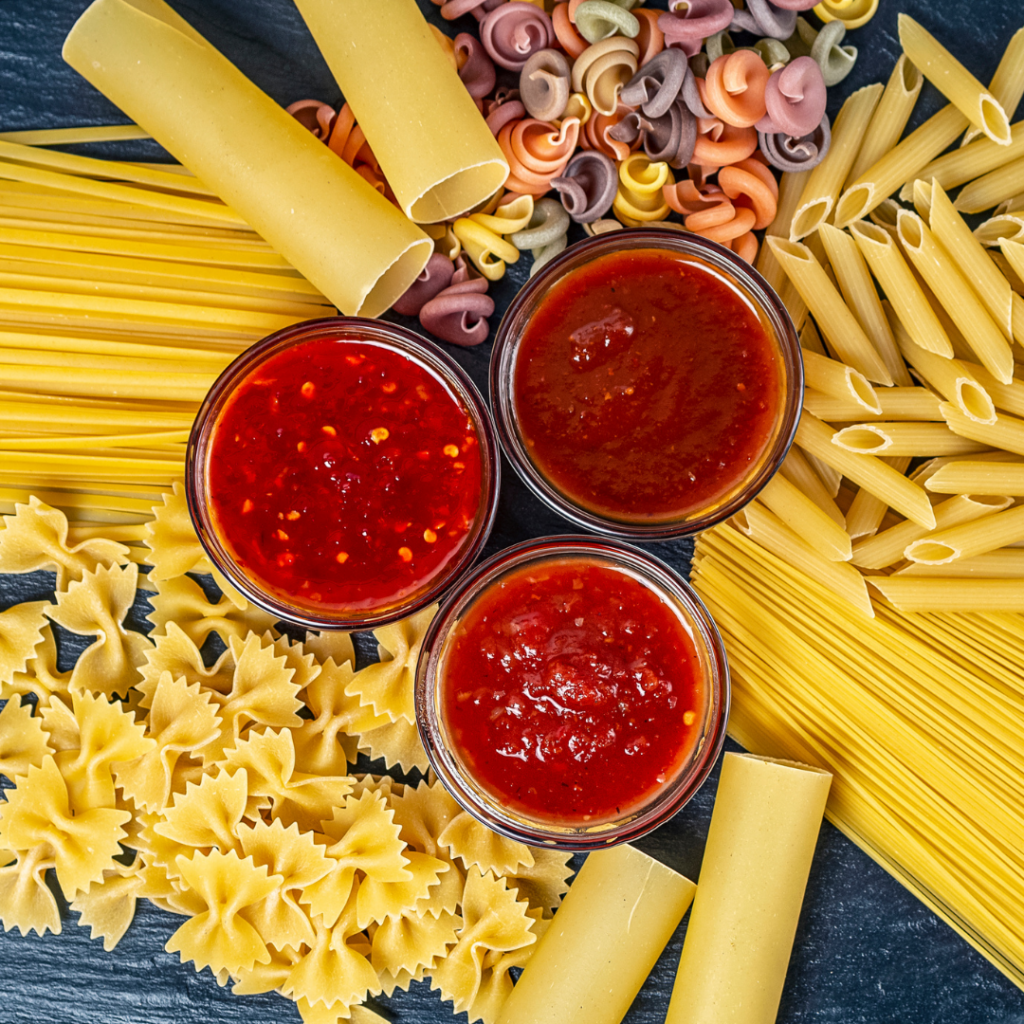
x: 572, y: 692
x: 646, y: 388
x: 343, y: 475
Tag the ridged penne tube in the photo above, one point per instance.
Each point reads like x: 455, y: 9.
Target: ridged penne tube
x: 840, y: 381
x: 806, y: 519
x: 991, y: 189
x: 914, y: 404
x: 954, y: 81
x: 831, y: 479
x: 866, y: 471
x: 917, y: 440
x: 826, y: 181
x: 886, y: 548
x: 909, y: 594
x: 900, y: 165
x: 1007, y: 83
x: 1004, y: 563
x: 1013, y: 252
x: 971, y: 259
x: 956, y: 296
x: 866, y: 512
x: 791, y: 187
x: 978, y: 476
x: 764, y: 527
x: 1006, y: 433
x: 1006, y: 397
x: 854, y: 280
x: 799, y: 472
x: 834, y: 319
x: 890, y: 116
x: 810, y: 339
x: 901, y: 288
x: 979, y: 158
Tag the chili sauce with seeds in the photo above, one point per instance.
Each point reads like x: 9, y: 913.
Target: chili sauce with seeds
x: 344, y: 475
x: 572, y: 692
x: 645, y: 387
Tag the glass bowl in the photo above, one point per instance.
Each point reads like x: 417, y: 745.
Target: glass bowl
x: 744, y: 282
x: 354, y: 614
x: 499, y: 811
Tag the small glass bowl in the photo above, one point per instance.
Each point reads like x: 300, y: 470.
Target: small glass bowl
x: 724, y: 265
x: 486, y: 807
x: 396, y: 339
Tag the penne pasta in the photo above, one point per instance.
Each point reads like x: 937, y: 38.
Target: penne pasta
x: 901, y: 288
x: 791, y: 187
x: 890, y: 117
x: 943, y: 594
x: 1006, y: 397
x: 840, y: 381
x: 806, y: 519
x: 866, y: 512
x: 1007, y: 83
x: 902, y: 438
x: 866, y: 471
x: 836, y: 322
x: 978, y: 476
x: 799, y: 472
x: 899, y: 165
x: 810, y: 339
x: 954, y: 81
x: 854, y: 280
x: 956, y: 296
x: 991, y: 189
x: 831, y: 479
x: 915, y: 404
x: 969, y: 539
x: 826, y: 180
x: 1006, y: 433
x: 1004, y: 563
x: 974, y: 160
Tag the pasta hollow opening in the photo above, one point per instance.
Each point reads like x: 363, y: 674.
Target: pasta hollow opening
x: 910, y: 232
x: 910, y: 76
x: 810, y: 218
x: 461, y: 192
x: 870, y: 232
x: 868, y: 439
x: 993, y: 117
x: 854, y: 204
x: 975, y: 401
x: 794, y: 249
x: 863, y: 392
x: 994, y: 501
x: 397, y: 279
x: 929, y: 552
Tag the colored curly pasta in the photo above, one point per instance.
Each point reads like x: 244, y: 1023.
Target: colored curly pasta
x: 650, y: 38
x: 735, y: 88
x: 718, y: 143
x: 544, y: 85
x: 689, y: 22
x: 602, y: 71
x: 596, y: 137
x: 709, y: 212
x: 502, y: 112
x: 639, y: 198
x: 835, y: 61
x: 436, y: 275
x: 852, y: 13
x: 537, y: 152
x: 452, y: 9
x: 476, y: 69
x: 459, y: 313
x: 774, y: 53
x: 587, y: 186
x: 314, y: 116
x: 565, y: 31
x: 513, y: 31
x: 795, y: 98
x: 670, y: 137
x: 598, y: 19
x: 655, y: 87
x: 789, y: 153
x: 765, y: 18
x: 751, y: 185
x: 548, y: 222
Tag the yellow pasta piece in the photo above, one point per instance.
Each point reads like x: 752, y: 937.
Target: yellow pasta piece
x: 476, y: 845
x: 508, y: 218
x: 969, y: 539
x: 26, y: 902
x: 1006, y: 433
x: 640, y: 198
x: 544, y: 883
x: 422, y: 813
x: 910, y: 594
x: 207, y: 815
x: 379, y: 901
x: 977, y: 476
x: 806, y: 519
x: 495, y: 980
x: 174, y: 652
x: 23, y: 741
x: 108, y: 907
x: 488, y: 250
x: 903, y: 438
x: 791, y: 187
x: 411, y: 941
x: 398, y: 742
x: 172, y: 539
x: 21, y: 632
x: 332, y: 644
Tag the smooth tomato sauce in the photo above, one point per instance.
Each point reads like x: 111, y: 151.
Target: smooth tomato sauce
x: 645, y: 387
x: 572, y: 692
x: 344, y: 475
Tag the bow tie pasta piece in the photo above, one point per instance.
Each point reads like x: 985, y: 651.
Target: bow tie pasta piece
x: 109, y: 905
x: 96, y: 605
x: 269, y: 759
x: 23, y: 741
x: 363, y: 837
x: 378, y: 901
x: 300, y: 862
x: 182, y: 719
x: 84, y: 844
x: 26, y: 902
x: 406, y: 943
x: 302, y: 662
x: 495, y: 980
x: 422, y: 814
x: 21, y: 632
x: 266, y: 977
x: 333, y: 644
x: 398, y: 743
x: 492, y: 919
x: 545, y: 883
x: 476, y: 845
x: 40, y: 674
x: 106, y: 735
x: 60, y: 724
x: 36, y: 537
x: 172, y: 540
x: 175, y: 652
x: 220, y: 938
x: 208, y: 815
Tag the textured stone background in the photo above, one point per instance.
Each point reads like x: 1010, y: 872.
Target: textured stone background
x: 866, y: 951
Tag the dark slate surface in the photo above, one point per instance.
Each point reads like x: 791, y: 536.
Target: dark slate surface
x: 866, y: 951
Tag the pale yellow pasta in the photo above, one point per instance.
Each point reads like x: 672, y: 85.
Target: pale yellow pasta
x: 108, y: 907
x: 912, y: 403
x: 977, y: 476
x: 764, y: 527
x: 23, y: 741
x: 979, y: 158
x: 837, y: 323
x: 910, y: 594
x: 901, y: 288
x: 904, y: 438
x: 866, y: 512
x: 1006, y: 397
x: 868, y: 472
x: 206, y: 815
x: 398, y: 742
x: 172, y: 541
x: 969, y: 539
x: 890, y: 116
x: 1006, y: 433
x: 1007, y: 83
x: 544, y: 883
x: 412, y: 941
x: 954, y: 81
x: 477, y: 846
x: 489, y: 252
x: 26, y: 902
x: 379, y: 901
x: 1013, y: 252
x: 791, y: 187
x: 176, y: 653
x: 887, y: 547
x: 840, y: 381
x: 21, y: 632
x: 806, y: 519
x: 1006, y: 563
x: 991, y: 189
x: 422, y: 814
x: 956, y: 295
x: 798, y: 471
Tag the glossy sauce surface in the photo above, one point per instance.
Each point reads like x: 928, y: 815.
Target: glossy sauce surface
x: 645, y: 387
x: 571, y: 691
x: 344, y: 475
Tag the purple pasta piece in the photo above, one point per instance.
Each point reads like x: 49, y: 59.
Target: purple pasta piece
x: 452, y: 9
x: 690, y: 94
x: 795, y: 97
x: 313, y: 115
x: 787, y: 153
x: 689, y: 27
x: 477, y: 74
x: 511, y: 110
x: 671, y: 137
x: 764, y: 18
x: 436, y: 276
x: 656, y: 85
x: 512, y: 32
x: 587, y: 186
x: 459, y: 314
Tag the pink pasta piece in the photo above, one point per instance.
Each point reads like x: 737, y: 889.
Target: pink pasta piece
x: 796, y: 5
x: 476, y: 69
x: 459, y: 313
x: 765, y: 18
x: 513, y: 31
x: 436, y: 276
x: 795, y: 99
x: 735, y: 88
x: 537, y: 152
x: 689, y: 22
x: 751, y: 184
x: 502, y: 112
x: 452, y: 9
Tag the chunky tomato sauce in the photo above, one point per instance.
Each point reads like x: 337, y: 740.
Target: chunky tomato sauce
x: 645, y: 387
x: 344, y: 475
x: 572, y: 692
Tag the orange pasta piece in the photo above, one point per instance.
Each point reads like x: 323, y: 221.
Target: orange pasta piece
x: 750, y: 184
x: 735, y: 88
x: 650, y: 38
x: 595, y: 135
x: 565, y: 32
x: 537, y: 152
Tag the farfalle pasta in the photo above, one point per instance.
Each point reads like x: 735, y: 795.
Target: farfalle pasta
x: 477, y: 846
x: 21, y: 632
x: 174, y: 548
x: 108, y: 907
x: 39, y: 674
x: 175, y: 652
x: 23, y: 742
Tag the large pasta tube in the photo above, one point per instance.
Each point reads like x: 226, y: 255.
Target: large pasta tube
x: 324, y: 218
x: 432, y: 143
x: 620, y: 913
x: 758, y: 855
